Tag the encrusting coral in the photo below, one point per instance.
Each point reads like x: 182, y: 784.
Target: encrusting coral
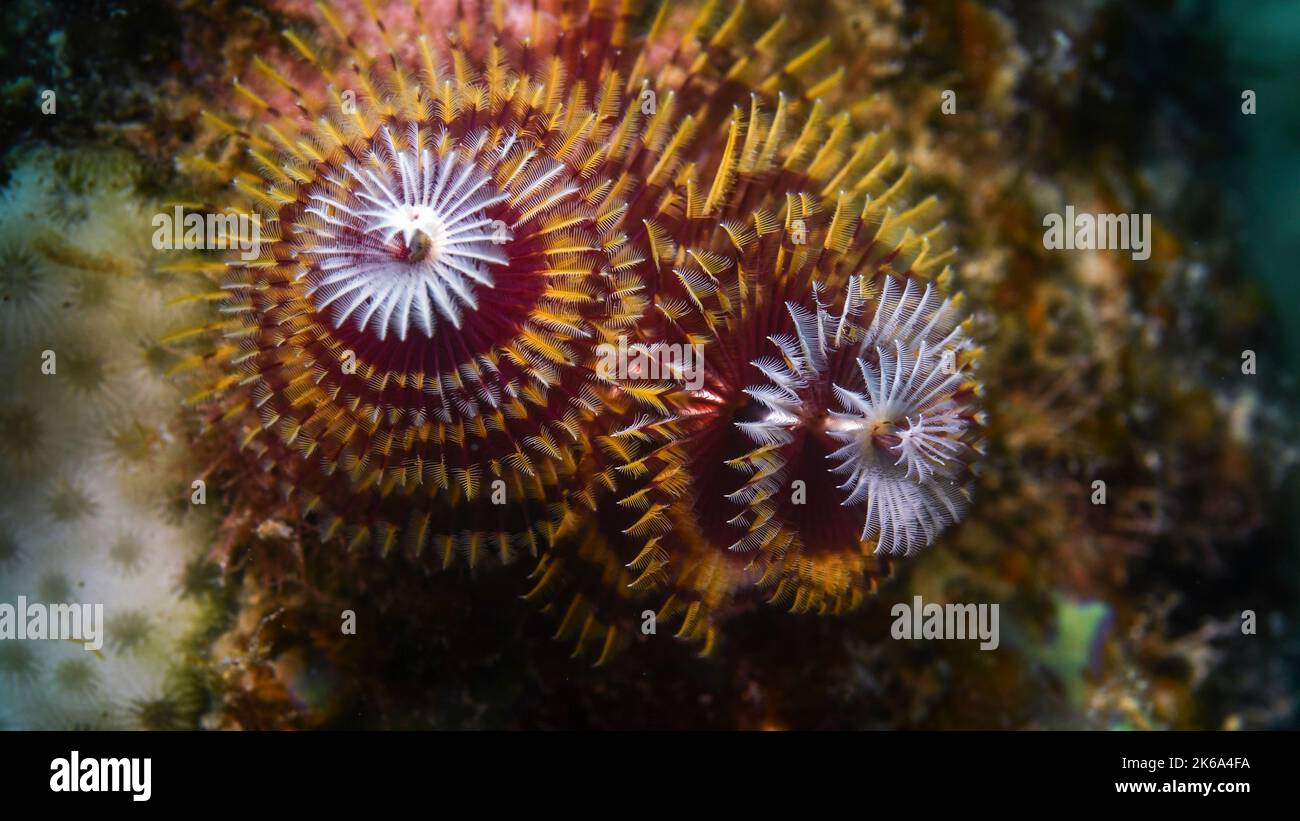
x: 94, y: 477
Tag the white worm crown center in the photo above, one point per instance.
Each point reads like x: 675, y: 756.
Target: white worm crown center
x: 405, y: 239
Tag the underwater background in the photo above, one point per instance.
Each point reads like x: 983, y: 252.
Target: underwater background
x: 1126, y: 615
